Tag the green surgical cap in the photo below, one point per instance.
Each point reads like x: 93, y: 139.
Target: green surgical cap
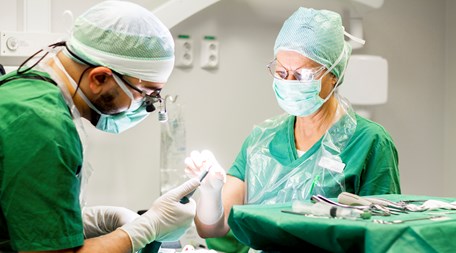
x: 316, y: 34
x: 125, y: 37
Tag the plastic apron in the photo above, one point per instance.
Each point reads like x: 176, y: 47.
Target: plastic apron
x: 269, y: 182
x: 86, y: 170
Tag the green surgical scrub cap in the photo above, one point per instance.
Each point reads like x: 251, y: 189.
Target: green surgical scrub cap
x: 316, y: 34
x: 125, y: 37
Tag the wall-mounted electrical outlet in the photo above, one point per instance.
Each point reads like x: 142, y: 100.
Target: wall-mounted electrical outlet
x: 184, y: 51
x: 209, y: 53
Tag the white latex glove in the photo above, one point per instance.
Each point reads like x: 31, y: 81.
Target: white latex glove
x: 210, y: 205
x: 101, y: 220
x: 166, y: 220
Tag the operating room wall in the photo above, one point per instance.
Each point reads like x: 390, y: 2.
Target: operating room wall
x: 450, y: 103
x: 411, y: 36
x: 221, y: 106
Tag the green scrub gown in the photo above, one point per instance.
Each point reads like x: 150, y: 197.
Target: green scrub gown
x: 370, y: 158
x: 40, y: 159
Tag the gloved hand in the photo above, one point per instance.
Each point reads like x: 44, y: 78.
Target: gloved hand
x: 166, y: 220
x: 101, y: 220
x: 210, y: 205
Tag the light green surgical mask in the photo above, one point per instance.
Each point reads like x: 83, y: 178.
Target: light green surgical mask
x: 123, y: 121
x: 298, y: 98
x: 117, y: 123
x: 302, y: 98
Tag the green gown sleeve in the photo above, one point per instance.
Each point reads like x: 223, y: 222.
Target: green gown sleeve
x: 381, y: 175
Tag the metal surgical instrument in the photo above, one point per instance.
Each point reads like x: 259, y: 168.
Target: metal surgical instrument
x: 320, y: 198
x: 186, y: 198
x: 407, y: 220
x: 375, y: 206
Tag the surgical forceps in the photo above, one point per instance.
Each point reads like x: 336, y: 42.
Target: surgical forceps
x: 375, y: 209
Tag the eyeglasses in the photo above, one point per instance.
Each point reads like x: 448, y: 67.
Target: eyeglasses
x: 278, y: 71
x: 148, y: 99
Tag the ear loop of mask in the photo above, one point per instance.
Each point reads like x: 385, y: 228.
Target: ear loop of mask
x: 116, y: 78
x: 76, y: 86
x: 133, y: 104
x: 342, y: 54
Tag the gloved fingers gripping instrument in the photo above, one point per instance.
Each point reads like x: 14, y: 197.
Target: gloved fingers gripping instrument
x: 166, y: 220
x: 210, y: 205
x: 186, y: 199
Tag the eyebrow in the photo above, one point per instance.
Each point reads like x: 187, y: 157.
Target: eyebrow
x: 302, y: 66
x: 152, y: 90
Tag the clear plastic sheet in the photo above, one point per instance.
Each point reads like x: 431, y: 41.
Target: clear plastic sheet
x: 269, y: 182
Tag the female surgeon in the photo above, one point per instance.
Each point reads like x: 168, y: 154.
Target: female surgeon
x: 320, y: 146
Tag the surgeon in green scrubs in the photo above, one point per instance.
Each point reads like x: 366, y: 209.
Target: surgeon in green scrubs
x: 319, y: 146
x: 110, y: 71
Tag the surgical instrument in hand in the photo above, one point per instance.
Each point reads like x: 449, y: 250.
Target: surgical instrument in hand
x: 186, y: 198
